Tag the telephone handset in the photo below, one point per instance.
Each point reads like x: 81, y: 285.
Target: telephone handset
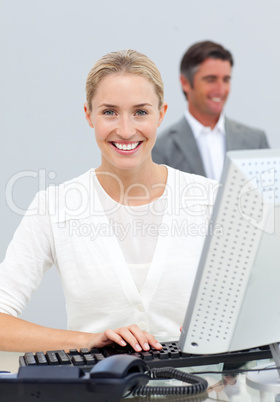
x: 109, y: 380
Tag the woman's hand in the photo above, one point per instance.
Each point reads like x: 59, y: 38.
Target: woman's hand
x: 132, y: 335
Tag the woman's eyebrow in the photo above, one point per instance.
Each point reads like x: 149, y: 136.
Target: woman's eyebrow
x: 114, y: 106
x: 143, y: 104
x: 107, y: 105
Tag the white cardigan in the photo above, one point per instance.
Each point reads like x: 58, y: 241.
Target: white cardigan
x: 60, y: 228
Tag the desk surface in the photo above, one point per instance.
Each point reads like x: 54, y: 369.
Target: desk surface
x: 219, y: 389
x: 9, y: 361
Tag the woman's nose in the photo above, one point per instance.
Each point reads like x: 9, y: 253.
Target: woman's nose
x: 126, y: 127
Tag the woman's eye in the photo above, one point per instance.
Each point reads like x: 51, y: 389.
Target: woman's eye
x: 109, y: 112
x: 141, y: 112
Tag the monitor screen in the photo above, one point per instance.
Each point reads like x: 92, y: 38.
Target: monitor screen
x: 235, y: 302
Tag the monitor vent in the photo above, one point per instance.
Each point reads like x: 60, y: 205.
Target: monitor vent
x: 232, y: 249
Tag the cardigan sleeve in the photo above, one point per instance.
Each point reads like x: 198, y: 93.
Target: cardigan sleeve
x: 29, y: 255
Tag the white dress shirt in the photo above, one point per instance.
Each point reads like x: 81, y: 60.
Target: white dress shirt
x: 211, y: 145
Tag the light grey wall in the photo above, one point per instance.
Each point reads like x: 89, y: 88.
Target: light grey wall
x: 47, y: 49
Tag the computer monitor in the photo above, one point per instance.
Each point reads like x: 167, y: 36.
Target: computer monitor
x: 235, y: 303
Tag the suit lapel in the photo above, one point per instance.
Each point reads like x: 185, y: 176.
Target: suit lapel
x: 232, y: 135
x: 186, y: 142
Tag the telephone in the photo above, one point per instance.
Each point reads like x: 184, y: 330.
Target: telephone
x: 109, y: 380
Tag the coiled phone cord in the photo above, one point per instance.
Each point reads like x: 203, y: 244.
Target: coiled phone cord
x: 198, y: 384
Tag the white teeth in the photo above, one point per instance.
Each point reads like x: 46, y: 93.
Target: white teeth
x: 126, y: 147
x: 216, y: 99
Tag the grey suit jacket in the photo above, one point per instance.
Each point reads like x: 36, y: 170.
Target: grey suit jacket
x: 176, y: 146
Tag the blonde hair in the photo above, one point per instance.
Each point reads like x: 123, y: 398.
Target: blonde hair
x: 124, y: 61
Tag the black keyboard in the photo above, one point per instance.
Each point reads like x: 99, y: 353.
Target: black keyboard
x: 169, y: 356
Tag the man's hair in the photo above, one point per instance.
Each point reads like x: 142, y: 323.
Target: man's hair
x: 198, y: 53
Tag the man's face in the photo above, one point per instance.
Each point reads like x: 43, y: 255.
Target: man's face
x: 210, y: 89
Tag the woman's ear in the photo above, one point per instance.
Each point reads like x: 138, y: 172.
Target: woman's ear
x: 88, y: 115
x: 162, y: 112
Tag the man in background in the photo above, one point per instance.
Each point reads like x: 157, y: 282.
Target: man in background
x: 197, y: 143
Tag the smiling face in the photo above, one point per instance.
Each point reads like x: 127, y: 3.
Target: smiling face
x: 209, y: 92
x: 125, y: 115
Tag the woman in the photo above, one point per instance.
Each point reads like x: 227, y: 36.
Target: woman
x: 125, y: 237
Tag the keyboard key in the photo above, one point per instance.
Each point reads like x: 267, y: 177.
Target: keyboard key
x: 73, y: 352
x: 78, y: 360
x: 41, y: 359
x: 99, y: 357
x: 63, y: 357
x: 84, y: 351
x: 30, y: 359
x: 174, y: 353
x: 89, y: 359
x: 51, y: 357
x: 163, y: 354
x: 155, y: 353
x: 94, y: 350
x: 146, y: 356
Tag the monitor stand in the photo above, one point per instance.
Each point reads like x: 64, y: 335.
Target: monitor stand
x: 267, y: 380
